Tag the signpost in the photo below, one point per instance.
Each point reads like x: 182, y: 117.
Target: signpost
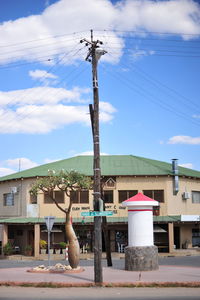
x: 96, y: 213
x: 49, y: 223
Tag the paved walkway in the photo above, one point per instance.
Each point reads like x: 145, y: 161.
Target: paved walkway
x: 166, y: 275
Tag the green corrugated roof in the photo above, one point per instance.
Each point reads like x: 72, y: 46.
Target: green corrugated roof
x: 24, y: 221
x: 86, y: 220
x: 110, y: 165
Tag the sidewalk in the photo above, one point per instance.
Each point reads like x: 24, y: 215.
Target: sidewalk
x: 112, y: 276
x: 165, y: 276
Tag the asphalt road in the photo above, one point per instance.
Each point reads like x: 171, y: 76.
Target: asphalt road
x: 192, y: 261
x: 21, y: 293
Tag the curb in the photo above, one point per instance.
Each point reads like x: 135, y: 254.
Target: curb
x: 194, y: 284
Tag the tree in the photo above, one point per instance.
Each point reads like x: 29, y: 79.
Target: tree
x: 66, y: 182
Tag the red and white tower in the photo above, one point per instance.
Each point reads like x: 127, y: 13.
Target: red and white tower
x: 141, y: 254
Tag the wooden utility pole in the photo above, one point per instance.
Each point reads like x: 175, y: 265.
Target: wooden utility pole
x: 93, y: 56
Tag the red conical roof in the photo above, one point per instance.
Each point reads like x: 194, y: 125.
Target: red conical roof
x: 140, y: 200
x: 139, y: 197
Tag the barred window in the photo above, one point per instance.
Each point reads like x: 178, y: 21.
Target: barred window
x: 79, y: 196
x: 195, y: 197
x: 124, y: 195
x: 33, y: 199
x: 8, y: 199
x: 58, y: 195
x: 108, y: 196
x: 157, y: 195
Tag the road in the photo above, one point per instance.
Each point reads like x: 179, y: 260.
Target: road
x: 192, y: 261
x: 21, y: 293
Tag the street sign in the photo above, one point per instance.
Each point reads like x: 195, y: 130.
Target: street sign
x: 49, y: 222
x: 97, y: 213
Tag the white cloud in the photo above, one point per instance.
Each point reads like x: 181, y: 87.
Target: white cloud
x: 43, y: 76
x: 137, y: 53
x: 68, y: 16
x: 13, y: 165
x: 184, y: 139
x: 21, y: 163
x: 106, y: 107
x: 187, y: 165
x: 159, y: 16
x: 42, y: 95
x: 50, y: 160
x: 6, y: 171
x: 34, y: 119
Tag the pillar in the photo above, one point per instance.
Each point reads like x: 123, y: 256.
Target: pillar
x: 141, y: 254
x: 36, y: 240
x: 171, y: 237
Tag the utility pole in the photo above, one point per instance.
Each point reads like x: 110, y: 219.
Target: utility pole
x: 93, y: 56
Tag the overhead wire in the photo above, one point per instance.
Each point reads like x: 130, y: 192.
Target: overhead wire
x: 150, y: 32
x: 42, y: 39
x: 26, y: 115
x: 140, y: 90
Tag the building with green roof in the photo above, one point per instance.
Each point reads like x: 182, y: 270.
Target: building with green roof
x: 176, y: 220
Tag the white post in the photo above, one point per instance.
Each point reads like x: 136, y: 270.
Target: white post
x: 141, y: 254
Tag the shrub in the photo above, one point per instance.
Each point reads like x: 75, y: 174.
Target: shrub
x: 43, y: 244
x: 7, y: 249
x: 62, y: 245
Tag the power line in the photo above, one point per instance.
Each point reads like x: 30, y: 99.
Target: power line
x: 151, y: 32
x: 140, y: 90
x: 26, y: 115
x: 37, y: 40
x: 159, y: 84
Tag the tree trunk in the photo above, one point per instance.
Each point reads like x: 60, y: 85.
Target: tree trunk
x: 74, y: 248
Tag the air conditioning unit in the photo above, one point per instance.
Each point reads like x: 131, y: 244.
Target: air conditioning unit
x: 186, y: 195
x: 14, y: 189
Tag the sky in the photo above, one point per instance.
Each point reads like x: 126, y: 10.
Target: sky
x: 148, y: 80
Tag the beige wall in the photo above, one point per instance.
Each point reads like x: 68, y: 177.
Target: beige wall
x: 186, y: 234
x: 176, y: 204
x: 173, y: 205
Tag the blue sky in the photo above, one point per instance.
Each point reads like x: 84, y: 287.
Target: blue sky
x: 148, y: 81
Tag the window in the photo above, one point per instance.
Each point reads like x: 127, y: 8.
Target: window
x: 8, y: 199
x: 58, y: 195
x: 157, y: 195
x: 108, y: 196
x: 47, y: 198
x: 124, y: 195
x: 79, y: 196
x: 196, y: 237
x: 33, y: 199
x: 195, y: 197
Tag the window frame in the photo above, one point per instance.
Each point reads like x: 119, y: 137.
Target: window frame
x: 193, y: 200
x: 129, y: 194
x: 47, y: 199
x: 153, y: 195
x: 6, y: 200
x: 79, y: 198
x: 111, y: 192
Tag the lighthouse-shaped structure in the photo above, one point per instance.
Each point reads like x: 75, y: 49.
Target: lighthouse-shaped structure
x: 141, y: 254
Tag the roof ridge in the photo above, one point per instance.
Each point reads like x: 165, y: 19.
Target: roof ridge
x: 150, y: 161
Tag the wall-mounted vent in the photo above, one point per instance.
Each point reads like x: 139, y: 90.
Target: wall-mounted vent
x: 186, y: 195
x: 14, y: 189
x: 175, y: 176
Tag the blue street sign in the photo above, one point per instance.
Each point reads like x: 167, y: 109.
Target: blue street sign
x: 97, y: 213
